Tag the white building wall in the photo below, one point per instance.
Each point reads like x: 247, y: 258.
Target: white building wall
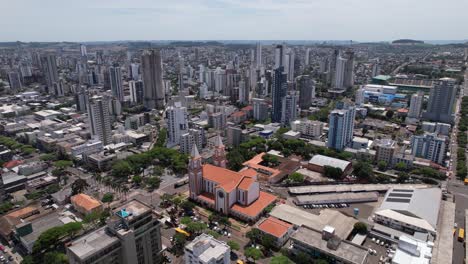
x: 254, y: 192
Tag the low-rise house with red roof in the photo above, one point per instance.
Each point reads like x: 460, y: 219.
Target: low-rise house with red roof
x: 279, y: 229
x: 85, y: 204
x: 226, y: 191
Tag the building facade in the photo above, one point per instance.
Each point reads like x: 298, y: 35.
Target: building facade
x: 152, y: 76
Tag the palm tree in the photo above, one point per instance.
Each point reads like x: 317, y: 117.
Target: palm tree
x: 125, y: 191
x: 79, y: 186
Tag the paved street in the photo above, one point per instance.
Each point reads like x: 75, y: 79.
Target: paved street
x: 456, y: 187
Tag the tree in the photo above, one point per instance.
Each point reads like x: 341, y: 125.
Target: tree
x: 281, y: 259
x: 303, y: 258
x: 107, y: 198
x: 270, y: 160
x: 254, y: 235
x: 196, y: 227
x: 213, y: 233
x: 389, y: 114
x: 268, y: 241
x: 364, y: 131
x: 62, y: 164
x: 321, y: 261
x: 235, y: 159
x: 332, y: 172
x: 162, y: 135
x: 382, y: 165
x: 137, y: 179
x: 55, y: 258
x: 253, y: 253
x: 402, y: 177
x: 363, y: 171
x: 360, y: 228
x: 400, y: 166
x: 121, y: 169
x: 187, y: 206
x: 153, y: 182
x: 233, y: 245
x: 296, y: 177
x: 178, y: 243
x: 79, y: 186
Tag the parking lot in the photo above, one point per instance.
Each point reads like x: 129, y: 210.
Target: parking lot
x: 365, y: 209
x: 379, y: 252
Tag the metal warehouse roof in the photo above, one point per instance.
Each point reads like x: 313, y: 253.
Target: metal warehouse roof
x: 329, y: 161
x: 418, y: 203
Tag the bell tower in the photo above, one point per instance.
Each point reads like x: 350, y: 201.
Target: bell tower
x: 195, y: 173
x: 219, y: 158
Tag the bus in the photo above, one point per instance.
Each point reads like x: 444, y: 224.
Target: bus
x: 181, y: 231
x: 181, y: 182
x: 461, y: 235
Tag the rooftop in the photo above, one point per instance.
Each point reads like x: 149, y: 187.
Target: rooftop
x: 329, y: 161
x: 226, y: 179
x: 423, y: 204
x: 207, y: 249
x: 274, y: 226
x: 412, y: 251
x: 85, y: 201
x: 255, y: 208
x: 343, y: 224
x: 39, y: 225
x: 132, y: 209
x: 345, y: 251
x: 352, y: 188
x: 91, y: 243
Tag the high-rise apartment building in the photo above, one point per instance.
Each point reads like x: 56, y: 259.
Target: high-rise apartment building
x: 348, y: 79
x: 83, y: 51
x: 132, y: 235
x: 152, y: 76
x: 416, y: 103
x: 136, y: 91
x: 279, y: 56
x: 429, y: 146
x: 331, y: 69
x: 340, y: 126
x: 177, y: 123
x: 260, y: 109
x: 279, y: 89
x: 115, y: 75
x: 289, y: 61
x: 289, y: 109
x: 99, y: 119
x: 191, y: 138
x: 49, y: 64
x: 258, y: 55
x: 307, y: 57
x: 234, y: 136
x: 441, y: 99
x: 306, y: 87
x: 339, y: 73
x: 15, y: 81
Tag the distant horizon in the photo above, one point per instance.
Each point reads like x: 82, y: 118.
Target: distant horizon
x: 343, y: 41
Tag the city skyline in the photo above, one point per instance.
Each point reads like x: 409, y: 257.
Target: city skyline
x: 234, y: 19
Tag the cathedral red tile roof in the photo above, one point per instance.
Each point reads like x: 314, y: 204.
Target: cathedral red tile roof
x: 257, y: 207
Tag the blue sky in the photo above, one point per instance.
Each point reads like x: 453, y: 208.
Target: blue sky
x: 361, y: 20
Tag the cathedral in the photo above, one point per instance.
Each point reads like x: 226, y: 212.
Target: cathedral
x: 228, y: 192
